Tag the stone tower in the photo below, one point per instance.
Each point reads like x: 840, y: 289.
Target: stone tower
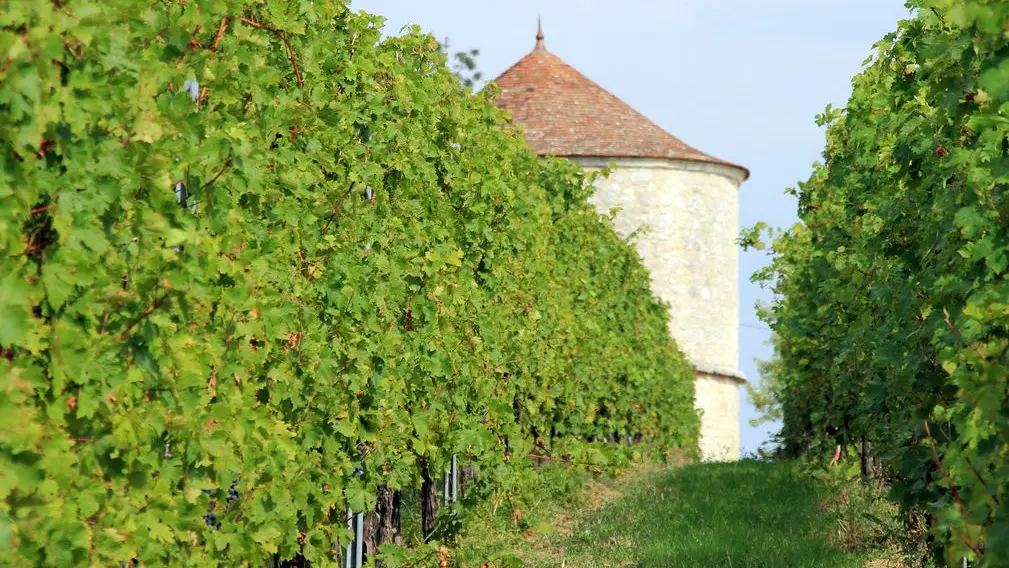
x: 684, y: 203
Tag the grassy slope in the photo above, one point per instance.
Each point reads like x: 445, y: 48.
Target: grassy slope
x: 742, y: 515
x: 746, y: 514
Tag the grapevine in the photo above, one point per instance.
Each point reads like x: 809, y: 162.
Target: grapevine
x: 324, y: 257
x: 890, y: 303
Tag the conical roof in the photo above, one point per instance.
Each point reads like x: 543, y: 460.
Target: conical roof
x: 564, y: 113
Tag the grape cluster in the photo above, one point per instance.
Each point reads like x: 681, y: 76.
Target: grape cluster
x: 233, y: 491
x: 211, y: 519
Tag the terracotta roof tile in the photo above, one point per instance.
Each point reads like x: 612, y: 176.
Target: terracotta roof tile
x: 564, y: 113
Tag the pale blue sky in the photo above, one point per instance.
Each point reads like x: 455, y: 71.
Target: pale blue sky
x: 737, y: 79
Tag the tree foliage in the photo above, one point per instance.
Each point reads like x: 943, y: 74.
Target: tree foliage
x: 464, y: 65
x: 370, y: 272
x: 892, y: 297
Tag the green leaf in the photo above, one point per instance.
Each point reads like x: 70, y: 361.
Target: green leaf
x: 58, y: 290
x: 15, y: 309
x: 147, y: 130
x: 266, y: 538
x: 970, y: 220
x: 358, y: 498
x: 161, y: 533
x: 997, y: 260
x: 88, y: 504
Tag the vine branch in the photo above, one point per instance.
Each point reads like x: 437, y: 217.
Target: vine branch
x: 977, y: 474
x: 157, y: 303
x: 41, y: 209
x: 336, y: 208
x: 563, y: 459
x: 977, y: 348
x: 224, y: 168
x: 290, y: 50
x: 220, y: 34
x: 938, y: 15
x: 952, y: 486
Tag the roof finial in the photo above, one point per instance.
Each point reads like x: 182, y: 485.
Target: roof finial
x: 539, y: 34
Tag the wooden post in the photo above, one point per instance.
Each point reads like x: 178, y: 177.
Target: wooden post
x: 865, y: 459
x: 428, y: 500
x: 388, y: 516
x: 369, y: 539
x: 467, y: 473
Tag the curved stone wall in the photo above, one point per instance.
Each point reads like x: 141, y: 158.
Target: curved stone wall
x: 686, y: 215
x: 717, y: 396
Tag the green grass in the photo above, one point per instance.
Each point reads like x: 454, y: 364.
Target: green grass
x: 743, y: 515
x: 747, y: 514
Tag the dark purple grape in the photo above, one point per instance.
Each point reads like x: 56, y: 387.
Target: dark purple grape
x: 211, y: 520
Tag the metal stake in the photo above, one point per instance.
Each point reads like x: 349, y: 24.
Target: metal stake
x: 444, y: 488
x: 359, y: 540
x: 355, y: 550
x: 455, y: 478
x: 450, y: 488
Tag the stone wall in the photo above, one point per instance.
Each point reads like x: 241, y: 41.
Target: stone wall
x: 718, y: 398
x: 687, y: 218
